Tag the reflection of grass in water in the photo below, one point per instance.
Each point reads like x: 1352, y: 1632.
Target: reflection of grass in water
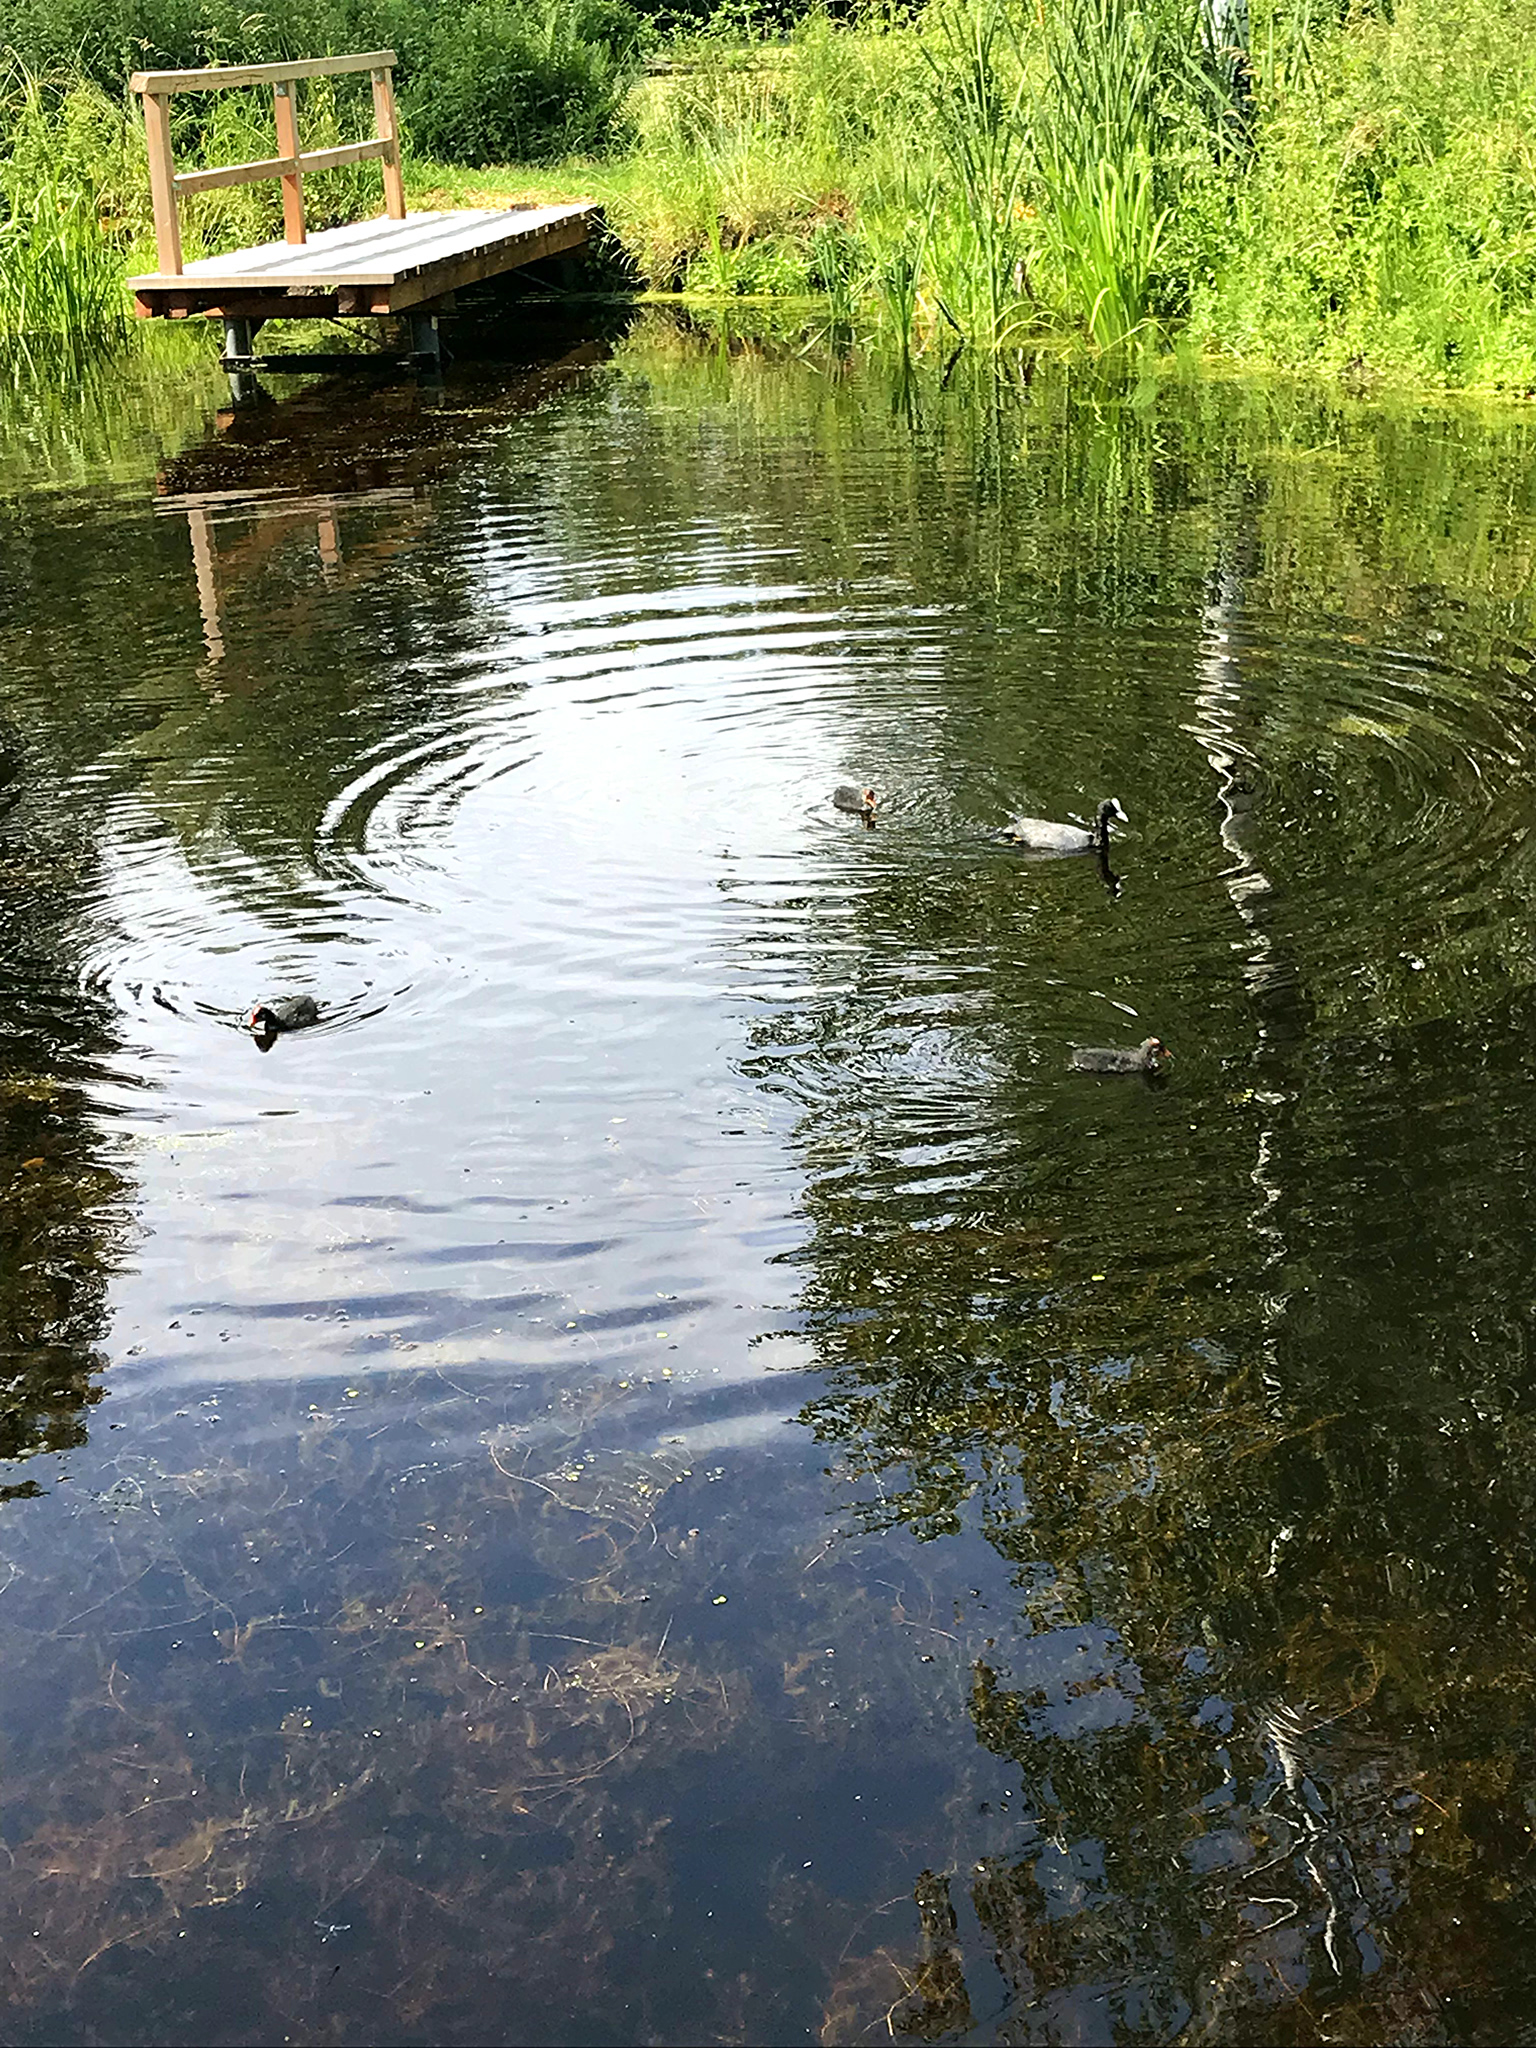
x: 109, y: 418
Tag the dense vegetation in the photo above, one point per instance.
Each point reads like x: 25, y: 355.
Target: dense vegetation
x: 1352, y: 190
x: 508, y: 78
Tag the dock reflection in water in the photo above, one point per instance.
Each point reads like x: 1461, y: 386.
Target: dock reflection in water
x: 667, y: 1472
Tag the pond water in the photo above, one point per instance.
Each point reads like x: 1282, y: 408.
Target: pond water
x: 668, y: 1472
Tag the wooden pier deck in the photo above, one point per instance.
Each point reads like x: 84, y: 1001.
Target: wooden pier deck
x: 403, y: 262
x: 374, y: 266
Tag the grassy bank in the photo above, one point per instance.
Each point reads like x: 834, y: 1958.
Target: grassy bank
x: 1355, y: 193
x: 1359, y: 197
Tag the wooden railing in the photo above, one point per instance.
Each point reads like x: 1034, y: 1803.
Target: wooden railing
x: 166, y: 183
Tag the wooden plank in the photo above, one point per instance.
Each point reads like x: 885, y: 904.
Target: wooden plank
x: 236, y: 174
x: 477, y: 265
x: 285, y: 114
x: 506, y: 252
x: 266, y: 305
x: 284, y: 167
x: 245, y: 502
x: 207, y: 583
x: 216, y: 76
x: 388, y: 128
x: 273, y: 306
x: 330, y: 544
x: 377, y: 252
x: 162, y: 183
x: 344, y: 153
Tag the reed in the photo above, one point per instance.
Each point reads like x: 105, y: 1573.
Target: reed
x: 977, y: 72
x: 66, y: 216
x: 897, y: 241
x: 60, y: 280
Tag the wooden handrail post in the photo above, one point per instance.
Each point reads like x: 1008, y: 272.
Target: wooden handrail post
x: 389, y: 131
x: 291, y: 164
x: 162, y: 182
x: 286, y: 115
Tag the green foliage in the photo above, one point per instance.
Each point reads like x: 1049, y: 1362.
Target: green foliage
x: 499, y: 83
x: 1388, y: 218
x: 976, y: 173
x: 493, y: 81
x: 67, y: 168
x: 58, y: 275
x: 1357, y: 190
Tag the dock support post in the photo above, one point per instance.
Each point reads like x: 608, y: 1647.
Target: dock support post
x: 388, y: 126
x: 239, y: 347
x: 239, y: 335
x: 286, y: 120
x: 162, y: 182
x: 425, y: 339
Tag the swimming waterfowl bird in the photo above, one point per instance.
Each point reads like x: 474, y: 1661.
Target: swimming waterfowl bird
x: 283, y: 1013
x: 848, y: 798
x: 1045, y: 837
x: 1149, y: 1058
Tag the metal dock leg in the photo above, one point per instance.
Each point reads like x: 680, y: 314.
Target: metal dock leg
x: 239, y: 335
x: 239, y: 347
x: 426, y: 342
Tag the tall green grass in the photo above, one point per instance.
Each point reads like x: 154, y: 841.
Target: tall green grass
x: 1095, y: 133
x: 59, y: 277
x: 980, y: 82
x: 66, y: 195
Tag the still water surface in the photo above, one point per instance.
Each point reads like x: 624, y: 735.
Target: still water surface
x: 668, y: 1473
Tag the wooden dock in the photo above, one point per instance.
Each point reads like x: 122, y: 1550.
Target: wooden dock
x: 408, y: 263
x: 373, y: 266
